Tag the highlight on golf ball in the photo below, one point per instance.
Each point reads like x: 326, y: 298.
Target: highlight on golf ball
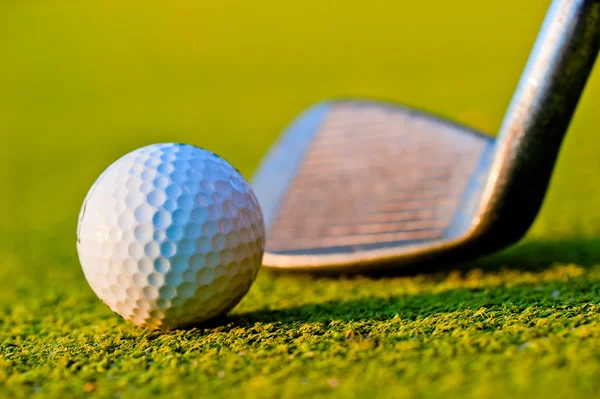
x: 170, y: 235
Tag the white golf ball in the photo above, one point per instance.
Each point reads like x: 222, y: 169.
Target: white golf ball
x: 170, y: 235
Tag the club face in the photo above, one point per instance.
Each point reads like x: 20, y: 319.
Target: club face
x: 355, y: 186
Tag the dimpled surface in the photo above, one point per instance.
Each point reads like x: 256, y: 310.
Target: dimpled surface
x: 169, y: 235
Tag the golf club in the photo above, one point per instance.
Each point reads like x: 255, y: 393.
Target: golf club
x: 361, y: 186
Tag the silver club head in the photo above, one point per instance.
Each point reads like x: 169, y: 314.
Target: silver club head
x: 360, y: 186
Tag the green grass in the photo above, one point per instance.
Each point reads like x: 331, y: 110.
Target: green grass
x: 82, y: 85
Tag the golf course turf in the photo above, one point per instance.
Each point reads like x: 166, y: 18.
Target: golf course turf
x: 82, y: 85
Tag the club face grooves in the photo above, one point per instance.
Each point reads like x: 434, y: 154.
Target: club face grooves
x: 373, y: 177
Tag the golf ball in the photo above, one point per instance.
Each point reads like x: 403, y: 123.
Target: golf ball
x: 170, y: 235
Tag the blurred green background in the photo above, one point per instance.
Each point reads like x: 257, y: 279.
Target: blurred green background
x: 82, y: 83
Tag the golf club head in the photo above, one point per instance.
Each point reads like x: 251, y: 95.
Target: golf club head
x: 361, y: 186
x: 355, y: 184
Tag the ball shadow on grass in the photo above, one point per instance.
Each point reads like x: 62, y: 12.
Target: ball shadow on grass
x: 529, y: 256
x: 459, y: 302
